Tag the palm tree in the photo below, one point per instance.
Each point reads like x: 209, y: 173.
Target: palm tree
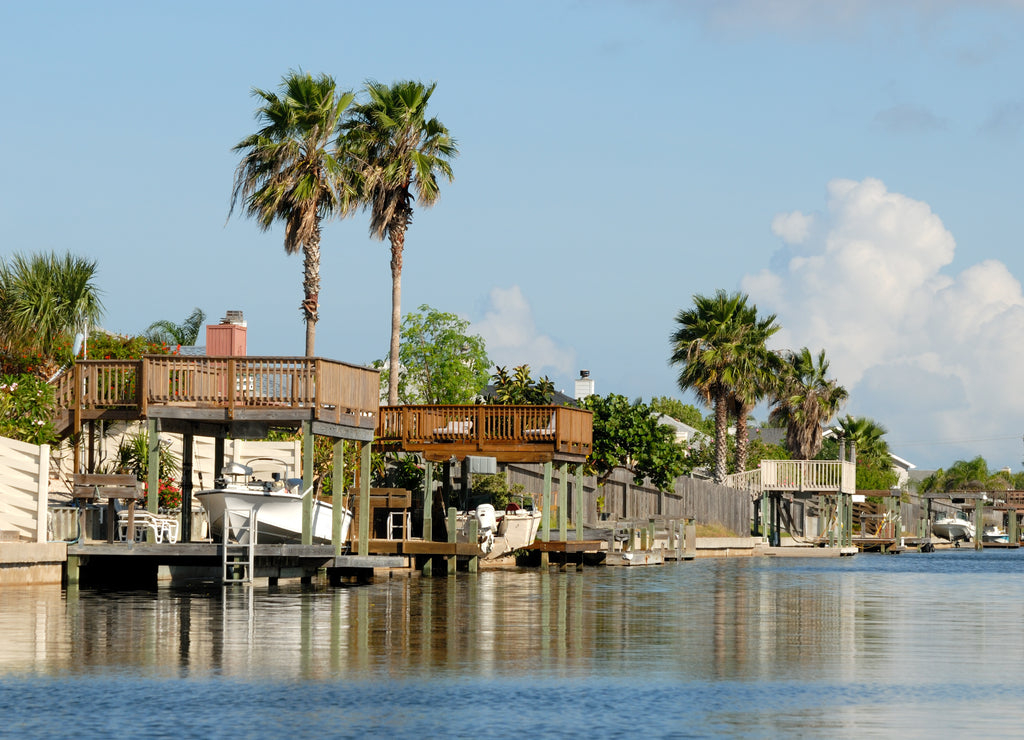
x: 804, y: 400
x: 185, y: 334
x: 867, y: 436
x: 291, y: 171
x: 47, y: 297
x: 399, y: 154
x: 757, y: 370
x: 874, y: 463
x: 965, y: 475
x: 709, y: 344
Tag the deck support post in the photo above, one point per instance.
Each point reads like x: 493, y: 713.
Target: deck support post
x: 1011, y: 527
x: 563, y: 502
x: 580, y: 498
x: 73, y: 568
x: 187, y: 453
x: 474, y: 536
x: 337, y: 494
x: 428, y: 504
x: 979, y: 522
x: 218, y: 457
x: 764, y: 517
x: 364, y: 499
x: 307, y: 482
x: 153, y: 471
x: 545, y: 521
x: 849, y: 519
x: 452, y: 560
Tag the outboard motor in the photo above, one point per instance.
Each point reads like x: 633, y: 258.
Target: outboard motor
x: 487, y: 524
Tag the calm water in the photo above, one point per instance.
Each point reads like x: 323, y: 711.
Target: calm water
x: 870, y: 646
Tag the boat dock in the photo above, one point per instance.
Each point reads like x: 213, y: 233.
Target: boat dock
x: 140, y: 564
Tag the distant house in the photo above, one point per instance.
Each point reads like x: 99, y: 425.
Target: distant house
x: 769, y: 435
x: 902, y: 468
x: 685, y: 434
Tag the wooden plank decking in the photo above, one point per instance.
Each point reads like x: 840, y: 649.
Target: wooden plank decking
x: 218, y: 390
x: 508, y: 433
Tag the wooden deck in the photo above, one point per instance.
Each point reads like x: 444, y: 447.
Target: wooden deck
x: 798, y: 476
x: 508, y: 433
x: 219, y: 390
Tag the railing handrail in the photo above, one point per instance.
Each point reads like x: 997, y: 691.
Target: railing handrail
x: 809, y: 475
x: 428, y: 424
x: 248, y: 381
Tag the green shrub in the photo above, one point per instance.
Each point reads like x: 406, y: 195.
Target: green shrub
x: 26, y: 409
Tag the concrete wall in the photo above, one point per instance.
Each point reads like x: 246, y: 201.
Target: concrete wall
x: 31, y: 563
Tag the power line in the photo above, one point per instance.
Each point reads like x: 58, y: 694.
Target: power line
x: 952, y: 441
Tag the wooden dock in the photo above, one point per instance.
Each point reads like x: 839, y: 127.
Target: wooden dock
x: 128, y: 564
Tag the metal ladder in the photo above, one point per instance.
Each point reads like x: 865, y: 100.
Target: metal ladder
x: 238, y: 557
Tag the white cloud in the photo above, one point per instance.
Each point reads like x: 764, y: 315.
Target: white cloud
x: 513, y: 339
x: 792, y: 228
x: 932, y: 356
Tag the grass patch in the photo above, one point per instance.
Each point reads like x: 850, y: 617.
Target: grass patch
x: 714, y: 530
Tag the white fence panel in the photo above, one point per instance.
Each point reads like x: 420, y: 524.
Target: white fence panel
x: 24, y: 488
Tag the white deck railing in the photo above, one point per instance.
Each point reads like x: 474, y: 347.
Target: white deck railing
x: 808, y: 476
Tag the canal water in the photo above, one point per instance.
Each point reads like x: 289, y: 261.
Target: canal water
x: 915, y: 645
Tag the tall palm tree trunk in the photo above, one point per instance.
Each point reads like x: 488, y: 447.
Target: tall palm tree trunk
x: 311, y: 288
x: 397, y: 246
x: 742, y: 437
x: 721, y: 435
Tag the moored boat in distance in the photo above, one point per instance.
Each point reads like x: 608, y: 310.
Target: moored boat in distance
x: 994, y: 534
x: 953, y: 528
x: 275, y: 505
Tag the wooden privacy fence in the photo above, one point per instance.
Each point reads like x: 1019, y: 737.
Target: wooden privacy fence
x: 24, y: 489
x: 702, y: 500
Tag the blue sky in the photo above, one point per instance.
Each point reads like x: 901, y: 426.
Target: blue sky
x: 852, y: 165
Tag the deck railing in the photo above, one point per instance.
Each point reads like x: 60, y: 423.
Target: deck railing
x: 330, y: 387
x: 809, y: 475
x: 749, y: 480
x: 569, y: 430
x: 798, y: 475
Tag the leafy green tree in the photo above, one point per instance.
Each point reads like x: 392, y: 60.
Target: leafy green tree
x: 442, y: 362
x: 185, y: 334
x: 519, y: 389
x: 684, y: 412
x: 292, y: 171
x: 805, y: 399
x: 398, y: 155
x: 44, y: 299
x: 628, y: 435
x: 708, y: 345
x: 760, y: 450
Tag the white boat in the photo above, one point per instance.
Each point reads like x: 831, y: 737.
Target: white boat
x: 953, y: 528
x: 994, y: 534
x: 276, y: 506
x: 499, y: 533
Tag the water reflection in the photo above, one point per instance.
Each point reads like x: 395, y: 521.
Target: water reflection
x: 736, y: 620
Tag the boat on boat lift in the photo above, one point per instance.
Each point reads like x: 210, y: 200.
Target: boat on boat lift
x: 274, y: 505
